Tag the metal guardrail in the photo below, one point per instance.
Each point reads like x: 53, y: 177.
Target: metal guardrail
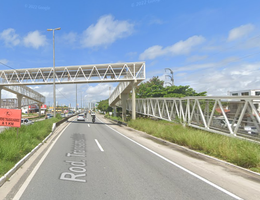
x: 220, y: 114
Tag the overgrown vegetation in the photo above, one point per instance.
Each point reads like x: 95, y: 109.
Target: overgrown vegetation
x: 13, y: 148
x: 239, y: 152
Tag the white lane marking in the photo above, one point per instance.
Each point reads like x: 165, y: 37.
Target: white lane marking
x: 88, y: 125
x: 180, y: 167
x: 30, y: 177
x: 99, y: 146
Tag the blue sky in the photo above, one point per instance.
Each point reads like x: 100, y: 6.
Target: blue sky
x: 212, y: 46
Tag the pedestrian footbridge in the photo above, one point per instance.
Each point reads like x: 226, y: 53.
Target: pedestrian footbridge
x: 231, y: 115
x: 127, y: 74
x: 24, y: 94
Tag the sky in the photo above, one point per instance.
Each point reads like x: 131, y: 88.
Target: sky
x: 212, y: 46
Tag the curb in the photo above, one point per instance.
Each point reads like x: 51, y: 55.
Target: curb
x: 118, y: 122
x: 179, y: 147
x: 5, y: 177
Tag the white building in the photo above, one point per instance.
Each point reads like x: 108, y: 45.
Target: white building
x: 245, y: 93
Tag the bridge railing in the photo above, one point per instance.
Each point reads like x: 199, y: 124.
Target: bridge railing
x: 223, y: 114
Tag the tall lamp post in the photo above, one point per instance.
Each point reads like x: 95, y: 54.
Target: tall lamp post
x: 54, y: 91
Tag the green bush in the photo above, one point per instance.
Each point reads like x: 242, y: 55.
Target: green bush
x: 14, y: 147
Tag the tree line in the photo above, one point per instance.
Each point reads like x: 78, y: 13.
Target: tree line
x: 154, y: 88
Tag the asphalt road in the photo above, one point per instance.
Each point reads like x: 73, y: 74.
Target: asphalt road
x: 92, y: 161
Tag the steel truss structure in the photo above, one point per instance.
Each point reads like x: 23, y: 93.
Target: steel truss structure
x: 117, y: 72
x: 12, y: 103
x: 26, y: 92
x: 225, y: 115
x: 122, y: 88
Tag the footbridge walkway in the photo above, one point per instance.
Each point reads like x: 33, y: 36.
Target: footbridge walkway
x: 232, y: 115
x: 128, y: 74
x: 25, y: 95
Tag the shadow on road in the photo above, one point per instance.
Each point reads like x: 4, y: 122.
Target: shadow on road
x: 82, y: 122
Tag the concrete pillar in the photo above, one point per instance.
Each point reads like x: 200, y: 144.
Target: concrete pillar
x: 39, y: 105
x: 114, y: 111
x: 123, y: 101
x: 133, y: 101
x: 19, y: 100
x: 1, y: 87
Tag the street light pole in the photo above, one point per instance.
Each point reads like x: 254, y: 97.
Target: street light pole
x: 54, y: 73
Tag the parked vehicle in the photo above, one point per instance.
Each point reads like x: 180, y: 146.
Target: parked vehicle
x: 48, y: 116
x: 69, y: 114
x: 81, y: 117
x: 25, y: 121
x: 251, y: 129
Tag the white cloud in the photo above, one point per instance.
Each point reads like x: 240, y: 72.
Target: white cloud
x: 219, y: 81
x: 196, y: 58
x: 10, y: 37
x: 70, y: 37
x: 5, y: 94
x: 35, y: 39
x: 240, y: 32
x: 106, y: 31
x: 179, y: 48
x: 155, y: 21
x: 101, y: 89
x: 4, y: 61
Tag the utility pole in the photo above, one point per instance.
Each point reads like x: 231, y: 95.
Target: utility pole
x: 170, y: 76
x: 76, y: 99
x: 81, y: 100
x: 54, y: 74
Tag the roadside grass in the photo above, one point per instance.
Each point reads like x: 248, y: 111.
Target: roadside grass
x: 13, y: 148
x: 240, y: 152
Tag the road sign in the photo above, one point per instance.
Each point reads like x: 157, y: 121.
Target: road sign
x: 10, y: 117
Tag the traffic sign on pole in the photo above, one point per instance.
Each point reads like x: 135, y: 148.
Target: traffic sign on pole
x: 10, y: 117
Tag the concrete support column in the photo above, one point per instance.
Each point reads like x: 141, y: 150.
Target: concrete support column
x: 1, y: 87
x: 123, y: 101
x: 114, y: 111
x: 133, y: 101
x: 19, y: 100
x: 39, y: 105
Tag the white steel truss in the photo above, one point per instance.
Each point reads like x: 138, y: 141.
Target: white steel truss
x: 25, y: 92
x: 12, y: 103
x: 117, y: 72
x: 225, y: 115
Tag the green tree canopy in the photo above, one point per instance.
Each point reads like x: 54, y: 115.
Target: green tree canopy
x: 103, y: 106
x: 154, y: 88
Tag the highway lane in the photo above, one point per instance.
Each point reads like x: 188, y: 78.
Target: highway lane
x: 91, y: 161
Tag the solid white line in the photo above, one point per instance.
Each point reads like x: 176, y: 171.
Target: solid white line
x: 180, y: 167
x: 100, y: 147
x: 28, y: 180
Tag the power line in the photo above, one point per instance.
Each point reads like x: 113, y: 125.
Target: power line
x: 7, y: 65
x: 64, y: 96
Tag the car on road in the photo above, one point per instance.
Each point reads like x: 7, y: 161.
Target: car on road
x: 251, y: 129
x: 69, y: 114
x: 25, y: 121
x: 81, y: 117
x: 48, y: 116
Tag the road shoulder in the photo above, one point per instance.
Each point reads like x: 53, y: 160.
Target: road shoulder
x: 237, y: 180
